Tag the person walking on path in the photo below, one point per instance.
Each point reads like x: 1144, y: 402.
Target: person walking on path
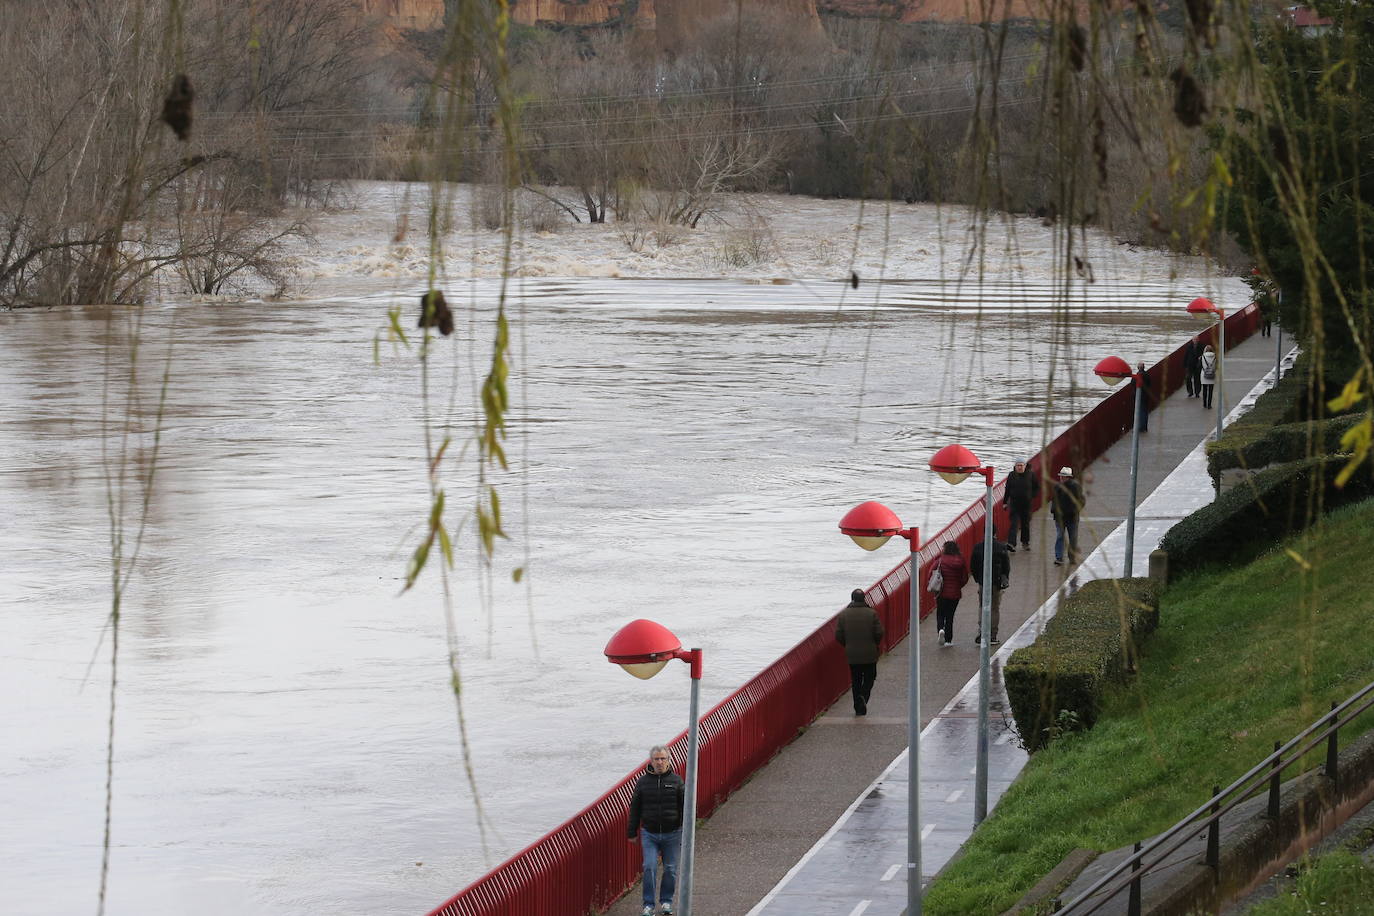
x: 1066, y: 503
x: 859, y: 629
x: 1001, y: 578
x: 1192, y: 367
x: 954, y: 573
x: 1142, y: 417
x: 1023, y: 486
x: 1208, y: 365
x: 656, y: 815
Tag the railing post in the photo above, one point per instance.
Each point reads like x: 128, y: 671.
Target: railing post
x: 1331, y: 772
x: 1056, y: 905
x: 1274, y: 785
x: 1214, y: 833
x: 1133, y: 901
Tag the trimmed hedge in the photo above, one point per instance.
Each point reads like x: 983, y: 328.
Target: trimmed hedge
x: 1091, y: 641
x: 1249, y: 518
x: 1280, y: 404
x: 1256, y: 447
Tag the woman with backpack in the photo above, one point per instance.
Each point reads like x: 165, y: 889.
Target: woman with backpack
x: 1209, y: 374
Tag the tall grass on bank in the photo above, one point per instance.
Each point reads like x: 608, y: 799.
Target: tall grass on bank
x: 1241, y: 659
x: 1337, y: 884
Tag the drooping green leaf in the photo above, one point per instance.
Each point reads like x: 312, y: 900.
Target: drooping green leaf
x: 446, y: 545
x: 1357, y: 441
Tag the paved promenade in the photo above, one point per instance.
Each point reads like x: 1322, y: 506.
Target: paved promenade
x: 822, y: 828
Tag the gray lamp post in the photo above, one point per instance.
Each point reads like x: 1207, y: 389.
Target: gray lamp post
x: 1203, y: 308
x: 1112, y: 370
x: 642, y: 648
x: 870, y: 525
x: 955, y: 463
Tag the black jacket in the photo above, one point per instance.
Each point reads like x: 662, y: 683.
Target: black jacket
x: 1021, y: 489
x: 657, y: 803
x: 1068, y: 500
x: 1001, y: 562
x: 1192, y: 355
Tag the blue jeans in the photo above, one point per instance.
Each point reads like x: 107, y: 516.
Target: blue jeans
x: 1060, y: 528
x: 653, y: 846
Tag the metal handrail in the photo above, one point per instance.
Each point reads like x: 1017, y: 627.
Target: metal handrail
x: 1132, y: 869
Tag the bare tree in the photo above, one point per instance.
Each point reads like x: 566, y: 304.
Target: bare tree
x: 92, y: 182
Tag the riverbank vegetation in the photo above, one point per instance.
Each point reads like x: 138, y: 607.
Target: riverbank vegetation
x: 146, y: 142
x: 1241, y: 659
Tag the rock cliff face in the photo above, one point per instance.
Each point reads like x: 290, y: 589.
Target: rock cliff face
x: 429, y: 14
x: 673, y: 20
x: 936, y: 10
x: 637, y: 13
x: 406, y: 14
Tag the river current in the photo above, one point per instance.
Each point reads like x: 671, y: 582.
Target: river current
x: 286, y: 739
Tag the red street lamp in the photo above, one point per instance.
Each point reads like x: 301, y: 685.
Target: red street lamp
x: 1202, y: 308
x: 955, y: 464
x: 870, y: 525
x: 1112, y: 370
x: 642, y: 648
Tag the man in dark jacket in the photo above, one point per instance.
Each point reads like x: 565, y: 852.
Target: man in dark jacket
x: 1192, y: 367
x: 1023, y: 486
x: 1142, y: 417
x: 1066, y: 504
x: 860, y: 631
x: 1001, y: 577
x: 657, y: 808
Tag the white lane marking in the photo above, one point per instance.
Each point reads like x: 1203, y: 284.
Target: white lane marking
x: 925, y: 831
x: 863, y: 905
x: 891, y: 872
x: 834, y: 828
x: 954, y: 796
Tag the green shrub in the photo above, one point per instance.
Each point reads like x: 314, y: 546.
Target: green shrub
x: 1091, y: 641
x: 1256, y: 447
x: 1248, y: 519
x: 1280, y: 404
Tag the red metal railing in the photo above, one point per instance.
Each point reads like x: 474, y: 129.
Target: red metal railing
x: 587, y: 863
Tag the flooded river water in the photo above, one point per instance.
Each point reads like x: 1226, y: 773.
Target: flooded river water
x: 286, y: 741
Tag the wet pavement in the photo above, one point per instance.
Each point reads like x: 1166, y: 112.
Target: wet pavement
x: 822, y: 828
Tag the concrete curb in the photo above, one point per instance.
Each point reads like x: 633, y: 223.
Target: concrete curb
x: 1058, y: 878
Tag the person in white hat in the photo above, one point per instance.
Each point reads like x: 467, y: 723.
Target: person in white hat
x: 1066, y: 504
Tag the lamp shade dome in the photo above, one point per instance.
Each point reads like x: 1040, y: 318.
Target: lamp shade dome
x: 954, y: 463
x: 1202, y: 307
x: 642, y: 648
x: 870, y: 524
x: 1112, y: 370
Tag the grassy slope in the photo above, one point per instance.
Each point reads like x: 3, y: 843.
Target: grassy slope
x: 1338, y: 884
x: 1241, y: 660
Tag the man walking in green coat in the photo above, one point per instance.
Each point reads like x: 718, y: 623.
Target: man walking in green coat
x: 860, y: 631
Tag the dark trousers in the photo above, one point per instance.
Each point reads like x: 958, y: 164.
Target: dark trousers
x: 1207, y: 393
x: 1020, y: 522
x: 944, y: 616
x: 1193, y: 380
x: 861, y: 678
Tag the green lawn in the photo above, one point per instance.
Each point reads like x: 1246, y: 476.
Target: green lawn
x: 1241, y: 659
x: 1338, y: 884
